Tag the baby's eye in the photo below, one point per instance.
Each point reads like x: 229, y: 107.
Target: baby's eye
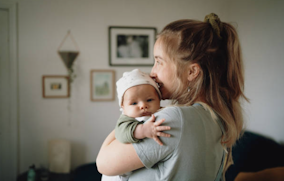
x: 134, y: 103
x: 149, y: 100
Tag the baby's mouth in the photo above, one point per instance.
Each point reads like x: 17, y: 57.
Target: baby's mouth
x: 146, y: 114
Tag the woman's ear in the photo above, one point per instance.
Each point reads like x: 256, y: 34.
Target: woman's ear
x: 193, y: 71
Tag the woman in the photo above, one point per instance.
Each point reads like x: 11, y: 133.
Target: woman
x: 198, y: 65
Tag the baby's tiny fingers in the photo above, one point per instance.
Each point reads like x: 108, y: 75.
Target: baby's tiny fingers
x: 158, y: 140
x: 161, y: 134
x: 152, y: 118
x: 163, y: 128
x: 157, y: 123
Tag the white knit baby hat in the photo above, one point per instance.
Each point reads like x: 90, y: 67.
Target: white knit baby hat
x: 131, y: 79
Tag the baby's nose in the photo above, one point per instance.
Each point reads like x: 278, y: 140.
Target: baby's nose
x: 143, y: 106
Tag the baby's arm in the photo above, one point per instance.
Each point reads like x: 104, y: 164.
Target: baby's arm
x: 129, y: 130
x: 151, y: 129
x: 124, y: 129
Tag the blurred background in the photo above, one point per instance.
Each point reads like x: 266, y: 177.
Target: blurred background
x: 31, y: 32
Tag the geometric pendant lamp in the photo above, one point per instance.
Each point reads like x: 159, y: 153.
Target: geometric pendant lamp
x: 68, y: 51
x: 68, y: 57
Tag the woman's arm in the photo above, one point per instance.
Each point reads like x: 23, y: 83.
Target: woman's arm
x: 116, y: 158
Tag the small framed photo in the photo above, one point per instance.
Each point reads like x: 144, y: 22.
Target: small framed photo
x: 102, y: 85
x: 55, y: 86
x: 131, y: 46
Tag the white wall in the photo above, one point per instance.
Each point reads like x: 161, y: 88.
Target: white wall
x: 261, y: 27
x: 43, y: 25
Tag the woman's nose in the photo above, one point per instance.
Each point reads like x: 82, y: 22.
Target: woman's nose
x: 153, y: 72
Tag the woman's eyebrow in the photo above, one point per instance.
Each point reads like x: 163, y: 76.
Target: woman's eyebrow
x: 158, y: 57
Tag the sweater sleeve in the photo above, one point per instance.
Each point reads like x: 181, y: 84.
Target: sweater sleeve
x: 124, y: 129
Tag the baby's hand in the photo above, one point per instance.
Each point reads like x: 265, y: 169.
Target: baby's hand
x: 152, y: 129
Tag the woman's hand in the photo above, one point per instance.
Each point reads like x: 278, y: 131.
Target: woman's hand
x: 152, y: 129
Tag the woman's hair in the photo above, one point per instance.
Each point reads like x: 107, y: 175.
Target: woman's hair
x: 215, y: 47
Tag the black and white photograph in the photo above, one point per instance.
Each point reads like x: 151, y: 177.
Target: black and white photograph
x: 131, y: 46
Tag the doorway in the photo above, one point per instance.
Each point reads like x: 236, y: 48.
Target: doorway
x: 8, y: 94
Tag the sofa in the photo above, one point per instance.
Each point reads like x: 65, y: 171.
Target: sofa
x: 253, y: 153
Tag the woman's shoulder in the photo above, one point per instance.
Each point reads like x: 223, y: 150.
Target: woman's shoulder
x: 176, y: 112
x: 169, y: 110
x: 193, y: 112
x: 179, y: 109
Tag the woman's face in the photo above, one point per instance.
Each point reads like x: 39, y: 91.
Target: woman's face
x: 163, y: 70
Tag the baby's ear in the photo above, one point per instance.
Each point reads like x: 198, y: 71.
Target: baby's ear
x: 193, y: 71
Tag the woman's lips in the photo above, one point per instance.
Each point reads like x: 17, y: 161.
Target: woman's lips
x: 158, y: 84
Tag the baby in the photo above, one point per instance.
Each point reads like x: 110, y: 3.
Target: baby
x: 139, y: 98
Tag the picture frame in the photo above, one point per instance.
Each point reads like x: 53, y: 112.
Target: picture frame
x: 102, y: 85
x: 55, y: 86
x: 131, y: 46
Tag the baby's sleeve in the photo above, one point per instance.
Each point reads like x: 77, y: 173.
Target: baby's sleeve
x: 124, y: 129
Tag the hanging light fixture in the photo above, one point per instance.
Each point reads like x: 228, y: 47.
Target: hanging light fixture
x: 69, y: 54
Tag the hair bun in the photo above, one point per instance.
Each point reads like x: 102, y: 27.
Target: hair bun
x: 215, y: 22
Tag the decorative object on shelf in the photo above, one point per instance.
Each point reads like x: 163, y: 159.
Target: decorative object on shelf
x: 69, y: 53
x: 131, y: 46
x: 59, y: 156
x: 31, y: 174
x: 55, y: 86
x: 102, y: 85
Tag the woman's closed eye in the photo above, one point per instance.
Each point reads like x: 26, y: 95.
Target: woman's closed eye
x: 158, y: 60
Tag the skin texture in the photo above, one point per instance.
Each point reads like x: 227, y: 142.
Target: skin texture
x: 163, y: 71
x: 116, y: 158
x: 275, y: 174
x: 152, y: 129
x: 141, y: 100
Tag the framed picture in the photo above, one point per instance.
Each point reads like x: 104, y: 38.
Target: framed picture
x: 131, y: 46
x: 55, y: 86
x: 102, y: 85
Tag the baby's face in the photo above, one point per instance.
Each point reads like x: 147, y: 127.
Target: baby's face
x: 140, y: 100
